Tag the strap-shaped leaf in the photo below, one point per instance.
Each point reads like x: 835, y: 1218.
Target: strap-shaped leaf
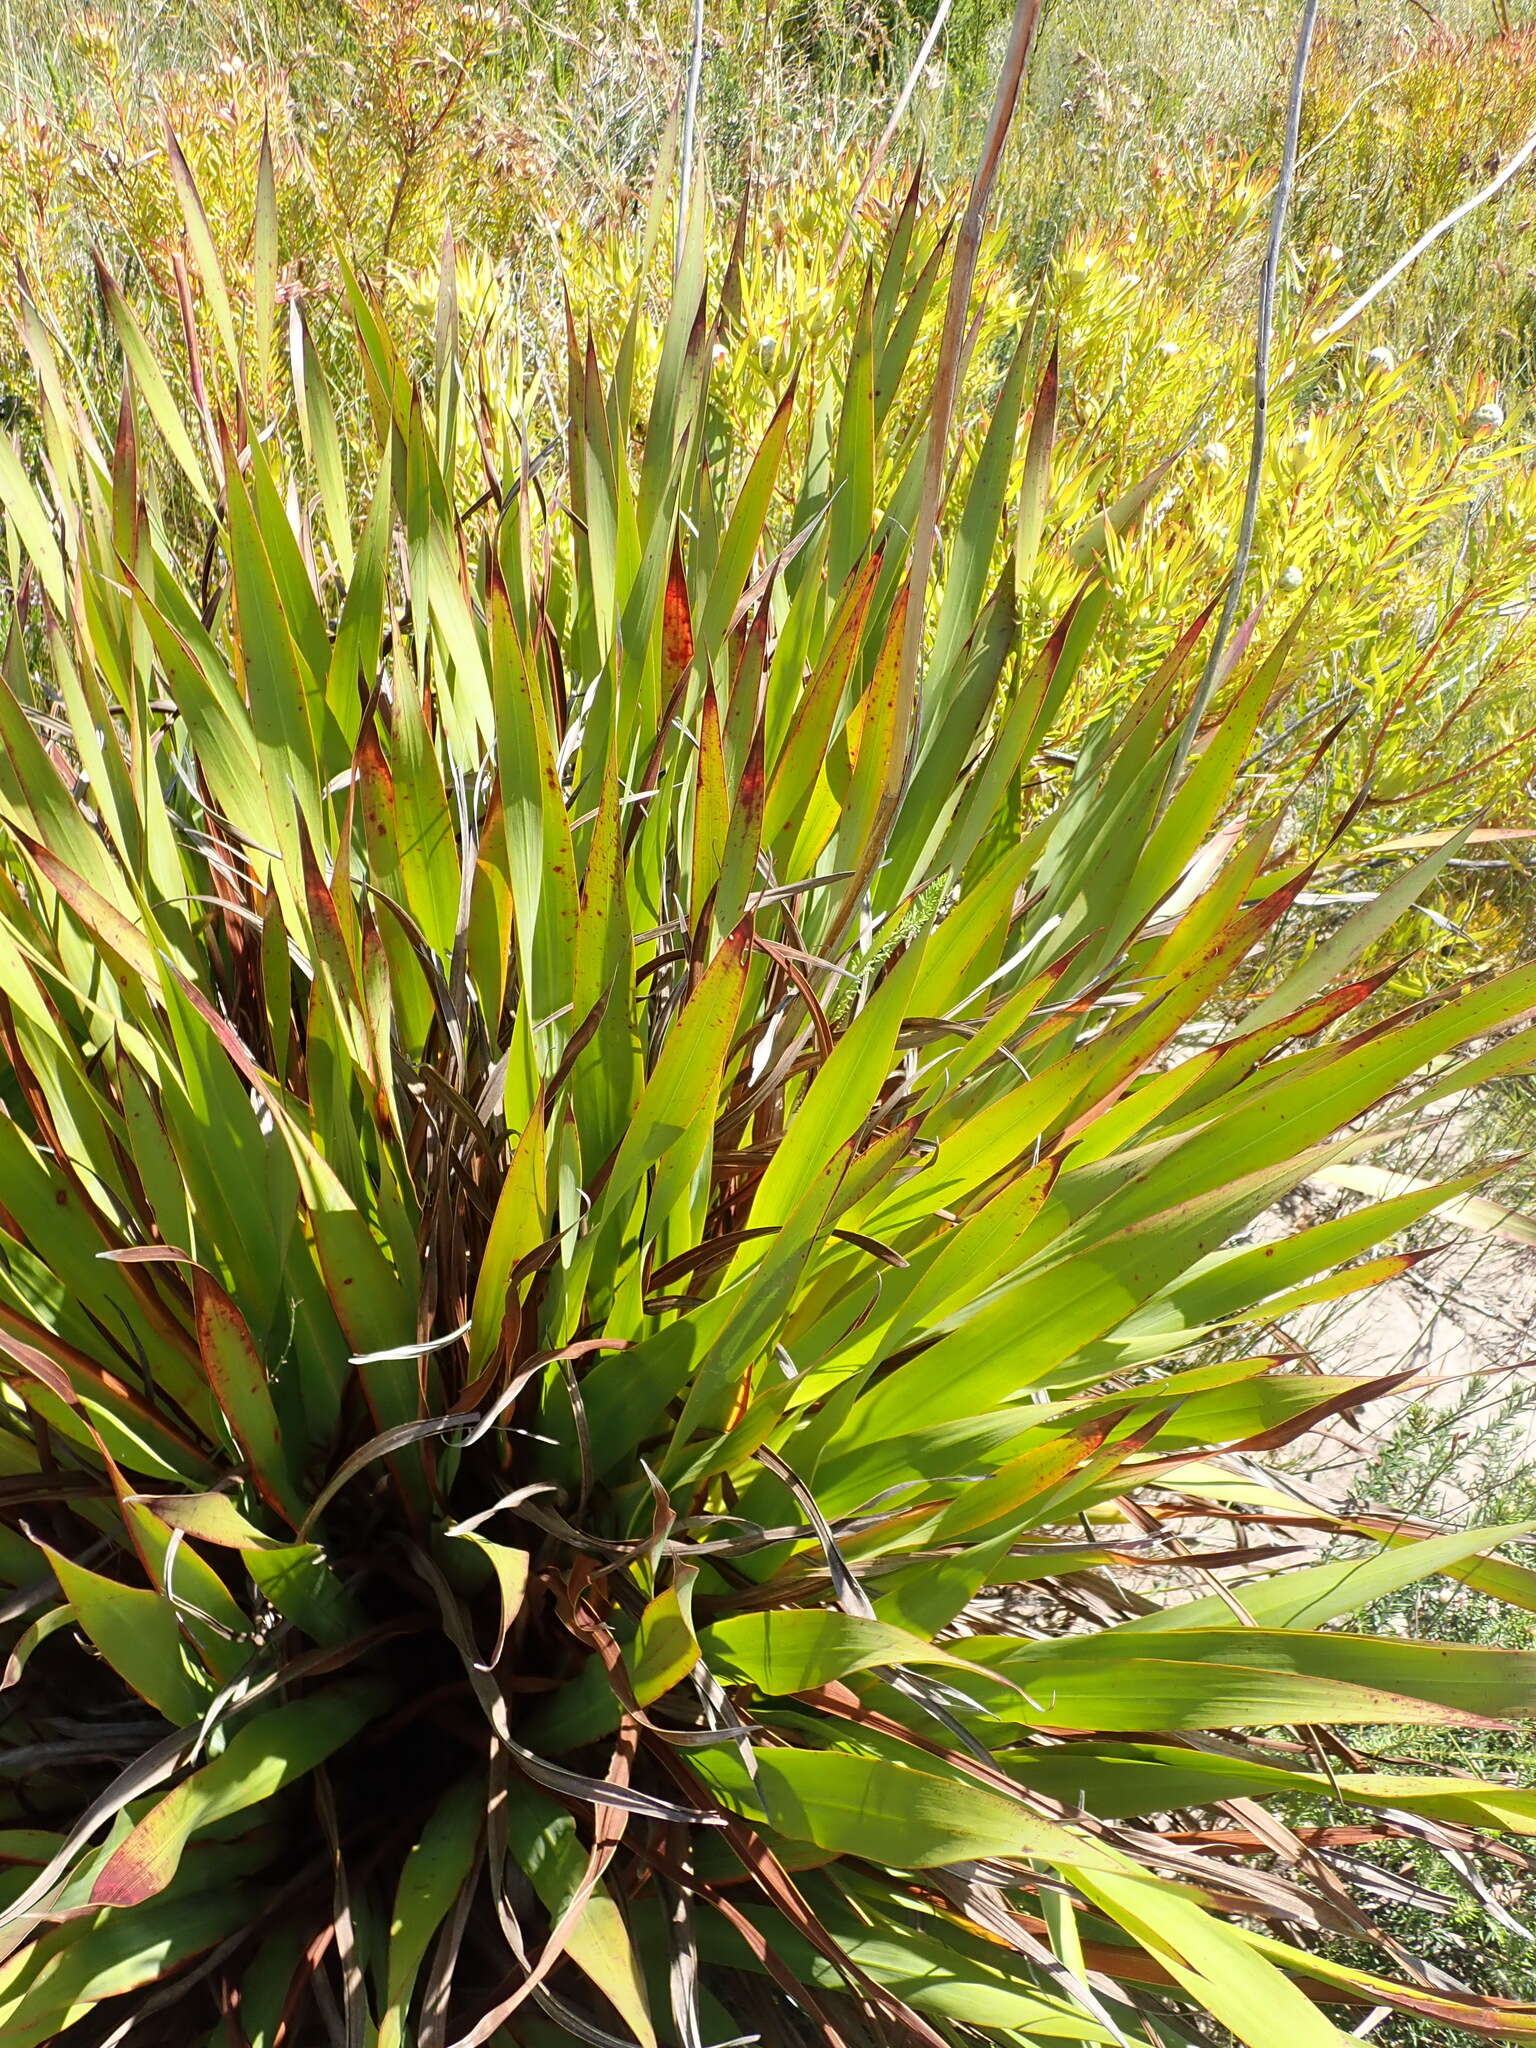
x: 665, y: 1648
x: 152, y: 385
x: 686, y: 1077
x: 1213, y: 1963
x: 1249, y: 1678
x: 543, y: 1838
x: 283, y: 1744
x: 873, y: 1806
x: 794, y: 1652
x: 239, y: 1379
x: 517, y: 1227
x: 430, y: 1878
x: 30, y: 524
x: 204, y: 255
x: 137, y: 1632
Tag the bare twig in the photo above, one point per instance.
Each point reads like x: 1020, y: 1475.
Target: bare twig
x: 1427, y: 240
x: 1360, y: 97
x: 904, y: 100
x: 1264, y: 338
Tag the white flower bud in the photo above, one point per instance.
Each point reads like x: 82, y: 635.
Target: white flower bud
x: 1216, y: 455
x: 1381, y: 358
x: 1490, y: 416
x: 1290, y: 577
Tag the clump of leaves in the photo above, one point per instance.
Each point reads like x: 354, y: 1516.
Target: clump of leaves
x: 583, y: 1168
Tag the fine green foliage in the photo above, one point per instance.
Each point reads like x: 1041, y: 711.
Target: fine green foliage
x: 588, y: 1158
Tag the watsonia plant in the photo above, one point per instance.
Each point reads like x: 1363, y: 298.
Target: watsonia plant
x: 583, y: 1168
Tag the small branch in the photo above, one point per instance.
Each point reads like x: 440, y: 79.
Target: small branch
x: 1427, y: 240
x: 1359, y: 99
x: 1264, y: 339
x: 904, y: 100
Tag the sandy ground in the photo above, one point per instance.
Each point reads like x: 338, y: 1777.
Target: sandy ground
x: 1464, y: 1322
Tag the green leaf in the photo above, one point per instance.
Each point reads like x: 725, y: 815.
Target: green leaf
x: 743, y: 534
x: 1115, y: 1780
x: 136, y: 1631
x: 1253, y: 1678
x: 31, y: 1638
x: 31, y: 525
x: 518, y: 1225
x: 1320, y: 1593
x: 711, y: 807
x: 204, y: 255
x: 541, y: 863
x: 149, y: 379
x: 1214, y: 1964
x: 1019, y: 1489
x: 927, y: 1960
x: 836, y: 1104
x: 687, y: 1074
x: 72, y: 1969
x: 1326, y: 962
x: 797, y: 1651
x: 1035, y: 482
x: 281, y: 718
x: 238, y: 1377
x: 975, y: 536
x: 743, y: 838
x: 317, y: 428
x: 282, y: 1744
x: 426, y: 848
x: 264, y: 264
x: 799, y: 759
x: 430, y: 1879
x: 872, y: 1807
x: 1468, y: 1212
x: 542, y: 1837
x: 210, y: 1518
x: 305, y: 1590
x: 664, y: 1650
x: 510, y: 1567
